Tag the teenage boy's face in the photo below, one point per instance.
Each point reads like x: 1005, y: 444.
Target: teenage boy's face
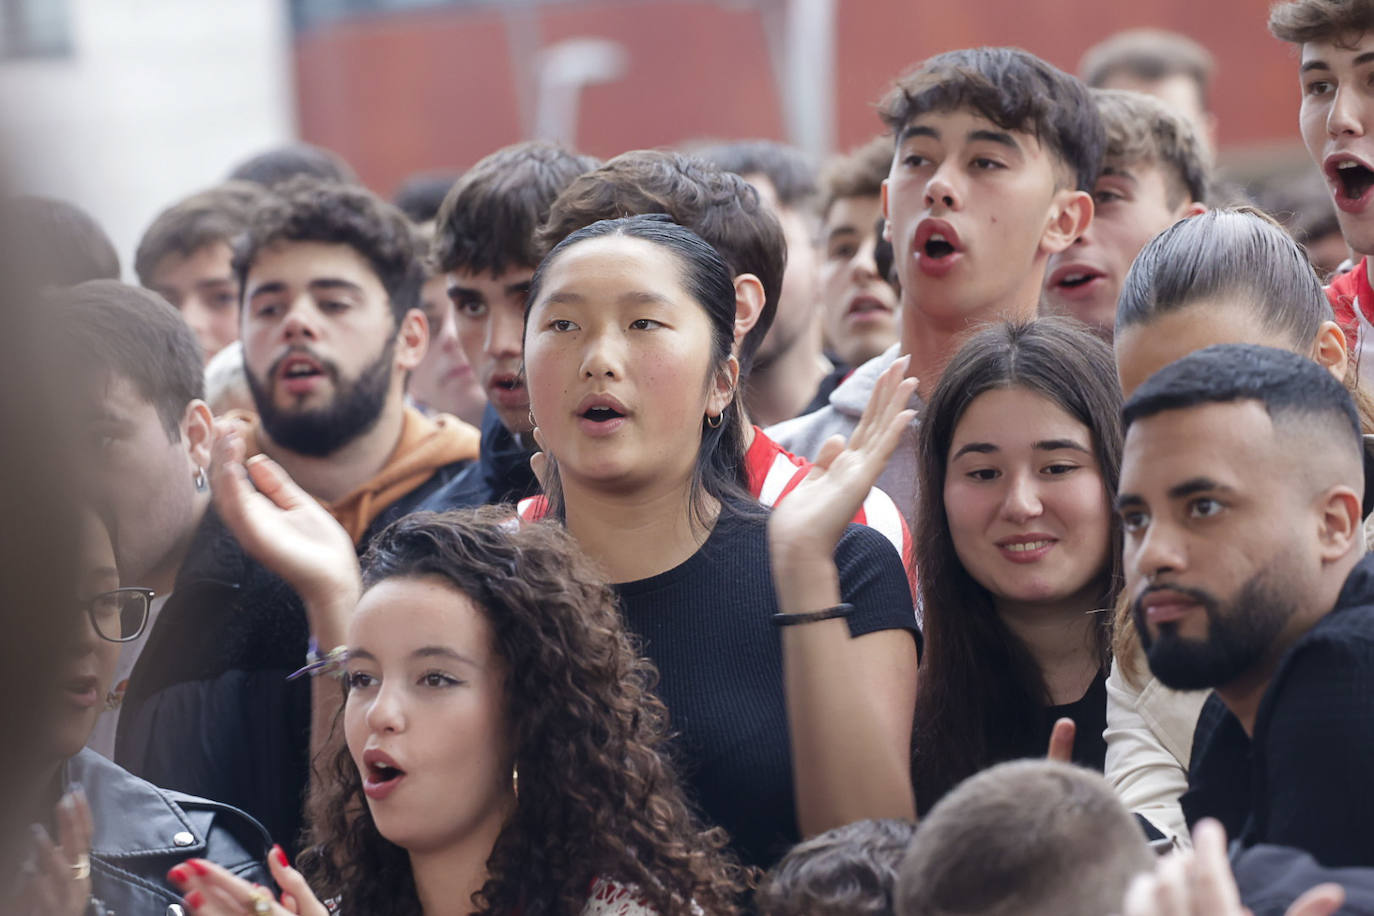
x: 969, y: 208
x: 1337, y: 113
x: 320, y: 345
x: 1131, y: 206
x: 859, y: 306
x: 202, y: 287
x: 490, y: 315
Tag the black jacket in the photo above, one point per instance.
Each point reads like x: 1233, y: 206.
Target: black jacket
x: 208, y: 710
x: 141, y: 831
x: 1304, y: 779
x: 501, y: 473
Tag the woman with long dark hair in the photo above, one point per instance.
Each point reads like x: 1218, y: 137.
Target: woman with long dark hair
x: 1018, y: 550
x: 502, y: 752
x: 628, y: 335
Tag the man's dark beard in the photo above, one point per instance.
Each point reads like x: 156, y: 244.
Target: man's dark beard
x: 321, y: 432
x: 1238, y: 637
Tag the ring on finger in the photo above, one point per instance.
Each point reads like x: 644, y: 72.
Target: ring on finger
x: 260, y: 903
x: 81, y: 869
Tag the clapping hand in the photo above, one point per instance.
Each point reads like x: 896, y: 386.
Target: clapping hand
x: 213, y: 891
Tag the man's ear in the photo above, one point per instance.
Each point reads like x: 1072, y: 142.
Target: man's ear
x: 198, y: 432
x: 887, y: 220
x: 412, y: 340
x: 1072, y: 214
x: 1330, y: 351
x: 1342, y: 526
x: 748, y: 305
x: 1189, y: 210
x: 725, y: 389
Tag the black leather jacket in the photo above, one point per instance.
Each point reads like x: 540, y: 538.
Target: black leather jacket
x: 141, y: 831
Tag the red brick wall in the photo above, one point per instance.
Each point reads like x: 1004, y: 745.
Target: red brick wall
x: 408, y: 92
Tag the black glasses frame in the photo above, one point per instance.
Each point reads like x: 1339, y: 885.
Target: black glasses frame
x: 146, y: 594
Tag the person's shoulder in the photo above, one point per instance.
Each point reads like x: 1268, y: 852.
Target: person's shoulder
x: 463, y: 490
x: 607, y: 898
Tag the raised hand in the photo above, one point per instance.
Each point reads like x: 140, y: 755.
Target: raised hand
x: 213, y: 891
x: 820, y: 507
x: 281, y: 526
x: 1061, y: 741
x: 59, y: 883
x: 1200, y: 883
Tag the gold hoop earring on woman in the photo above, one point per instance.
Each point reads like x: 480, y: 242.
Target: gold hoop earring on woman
x: 714, y: 422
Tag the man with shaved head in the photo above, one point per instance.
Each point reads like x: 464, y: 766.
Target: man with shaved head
x: 1241, y: 494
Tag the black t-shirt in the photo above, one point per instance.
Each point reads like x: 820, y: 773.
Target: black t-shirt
x: 1089, y: 714
x: 706, y: 625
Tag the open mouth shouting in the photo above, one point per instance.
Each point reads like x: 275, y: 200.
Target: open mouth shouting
x: 300, y: 373
x: 381, y: 775
x: 937, y: 247
x: 1076, y: 281
x: 600, y: 415
x: 1351, y: 181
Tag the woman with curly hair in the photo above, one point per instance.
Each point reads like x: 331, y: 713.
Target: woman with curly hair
x: 503, y: 753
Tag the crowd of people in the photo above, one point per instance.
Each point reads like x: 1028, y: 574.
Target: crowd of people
x: 974, y: 525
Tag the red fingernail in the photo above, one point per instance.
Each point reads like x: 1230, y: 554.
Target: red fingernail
x: 198, y: 867
x: 179, y: 874
x: 195, y: 899
x: 281, y: 856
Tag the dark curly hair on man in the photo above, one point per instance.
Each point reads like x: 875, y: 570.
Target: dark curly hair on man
x: 598, y: 796
x: 308, y: 209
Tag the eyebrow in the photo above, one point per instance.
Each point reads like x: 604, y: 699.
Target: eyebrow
x: 511, y: 289
x: 319, y: 284
x: 841, y: 230
x: 1000, y: 137
x: 1196, y: 485
x: 1044, y: 445
x: 1118, y: 171
x: 1362, y: 59
x: 422, y: 652
x: 633, y: 297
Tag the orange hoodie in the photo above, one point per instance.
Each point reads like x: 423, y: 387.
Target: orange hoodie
x: 426, y: 444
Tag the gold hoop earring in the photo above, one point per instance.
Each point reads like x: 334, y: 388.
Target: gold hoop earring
x: 532, y: 421
x: 515, y: 780
x: 714, y: 422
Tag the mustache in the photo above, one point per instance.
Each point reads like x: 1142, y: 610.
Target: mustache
x: 327, y: 365
x: 1208, y: 601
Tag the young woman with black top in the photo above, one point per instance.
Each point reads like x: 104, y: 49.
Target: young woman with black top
x: 628, y: 334
x: 1018, y: 549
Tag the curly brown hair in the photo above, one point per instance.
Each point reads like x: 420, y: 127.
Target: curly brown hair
x: 598, y: 795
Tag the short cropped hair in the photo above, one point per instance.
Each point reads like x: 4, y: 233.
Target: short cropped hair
x: 1240, y: 254
x: 280, y: 164
x: 787, y: 168
x: 1140, y: 129
x: 1149, y: 55
x: 219, y: 214
x: 1303, y: 21
x: 489, y: 219
x: 847, y: 871
x: 1287, y: 384
x: 1013, y: 89
x: 55, y: 243
x: 307, y: 209
x: 858, y: 173
x: 719, y: 206
x: 109, y: 329
x: 1026, y: 838
x: 420, y: 196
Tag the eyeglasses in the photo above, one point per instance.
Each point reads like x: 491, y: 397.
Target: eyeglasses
x: 120, y: 615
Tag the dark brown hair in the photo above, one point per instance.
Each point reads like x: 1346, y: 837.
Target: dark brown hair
x: 306, y: 209
x: 847, y: 871
x: 55, y: 243
x: 107, y: 329
x: 1141, y: 130
x: 280, y: 164
x: 981, y: 695
x: 788, y: 169
x: 719, y: 206
x: 598, y: 796
x: 858, y: 173
x: 1028, y: 838
x: 1302, y: 21
x: 488, y: 220
x: 215, y: 215
x: 1149, y: 55
x: 1013, y: 89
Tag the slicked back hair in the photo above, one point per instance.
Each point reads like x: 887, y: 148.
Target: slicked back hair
x: 1285, y: 383
x: 219, y: 214
x: 1239, y: 254
x: 306, y: 209
x: 489, y: 219
x: 720, y: 207
x: 108, y: 329
x: 1142, y: 130
x: 1026, y: 838
x: 1337, y: 21
x: 1013, y: 89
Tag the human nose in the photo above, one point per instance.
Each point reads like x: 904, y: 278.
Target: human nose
x: 601, y: 356
x: 864, y: 266
x: 1153, y: 551
x: 299, y: 323
x: 387, y: 711
x: 1343, y: 119
x: 505, y: 332
x: 941, y: 189
x: 1021, y: 502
